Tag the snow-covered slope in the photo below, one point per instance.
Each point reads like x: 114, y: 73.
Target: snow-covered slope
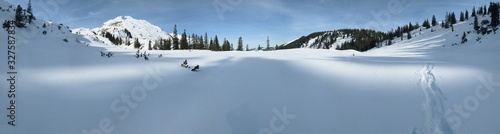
x: 7, y: 10
x: 329, y: 39
x: 420, y: 86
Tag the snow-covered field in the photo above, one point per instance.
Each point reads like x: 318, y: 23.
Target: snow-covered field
x: 423, y: 85
x: 69, y: 88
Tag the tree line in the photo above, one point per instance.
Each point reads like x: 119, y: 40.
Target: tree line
x: 181, y: 41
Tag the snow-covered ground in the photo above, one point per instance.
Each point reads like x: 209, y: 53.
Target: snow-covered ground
x: 423, y: 85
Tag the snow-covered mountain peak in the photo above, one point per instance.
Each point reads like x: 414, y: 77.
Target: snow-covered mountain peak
x: 120, y: 20
x: 128, y: 27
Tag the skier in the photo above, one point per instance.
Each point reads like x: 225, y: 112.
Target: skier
x: 195, y: 69
x: 185, y: 64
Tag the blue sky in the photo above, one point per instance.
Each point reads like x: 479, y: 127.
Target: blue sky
x: 254, y: 20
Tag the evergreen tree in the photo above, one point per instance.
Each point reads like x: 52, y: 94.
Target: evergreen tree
x: 168, y: 44
x: 247, y: 48
x: 184, y: 41
x: 484, y: 10
x: 464, y: 38
x: 136, y: 43
x: 400, y: 34
x: 445, y: 25
x: 175, y: 39
x: 426, y: 24
x: 226, y: 45
x: 417, y: 26
x: 211, y: 45
x: 20, y: 22
x: 408, y: 34
x: 434, y: 21
x: 276, y: 47
x: 127, y: 42
x: 410, y: 27
x: 192, y: 41
x: 476, y: 24
x: 473, y: 12
x: 453, y: 19
x: 462, y: 16
x: 466, y: 14
x: 240, y: 44
x: 206, y: 41
x: 30, y: 13
x: 216, y: 44
x: 495, y: 20
x: 201, y: 43
x: 480, y: 12
x: 268, y: 47
x: 149, y: 46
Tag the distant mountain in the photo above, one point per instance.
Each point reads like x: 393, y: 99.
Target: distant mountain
x: 127, y: 28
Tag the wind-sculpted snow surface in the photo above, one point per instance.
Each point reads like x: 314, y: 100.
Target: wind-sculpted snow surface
x: 433, y: 104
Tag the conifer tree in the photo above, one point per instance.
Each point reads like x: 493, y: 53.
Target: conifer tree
x: 473, y: 12
x: 426, y: 24
x: 408, y: 34
x: 225, y: 45
x: 495, y: 20
x: 484, y: 10
x: 410, y: 27
x: 466, y: 14
x: 464, y: 38
x: 462, y: 16
x: 211, y: 45
x: 184, y: 41
x: 240, y: 44
x: 268, y: 47
x: 127, y: 42
x: 453, y: 18
x: 444, y: 24
x: 216, y: 44
x: 30, y: 13
x: 20, y: 17
x: 136, y: 43
x: 168, y: 44
x: 476, y: 24
x: 205, y: 45
x: 149, y: 46
x: 480, y: 12
x: 434, y: 21
x: 175, y: 39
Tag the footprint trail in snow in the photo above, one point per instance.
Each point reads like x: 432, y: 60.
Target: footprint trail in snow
x: 433, y: 103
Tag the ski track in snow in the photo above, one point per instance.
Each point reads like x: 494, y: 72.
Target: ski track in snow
x: 433, y: 103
